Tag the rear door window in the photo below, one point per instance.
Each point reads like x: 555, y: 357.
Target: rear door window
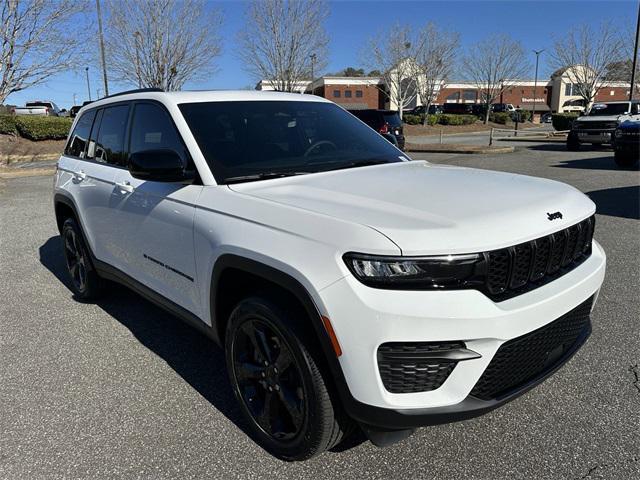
x: 109, y: 140
x: 80, y: 135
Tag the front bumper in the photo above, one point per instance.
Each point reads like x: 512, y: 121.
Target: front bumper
x: 363, y: 318
x: 594, y: 136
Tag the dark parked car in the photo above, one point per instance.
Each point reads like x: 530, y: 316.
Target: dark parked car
x: 458, y: 108
x: 627, y: 143
x: 386, y: 122
x: 546, y: 118
x: 433, y: 110
x: 73, y: 111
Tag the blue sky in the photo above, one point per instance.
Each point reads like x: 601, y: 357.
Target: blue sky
x: 350, y: 23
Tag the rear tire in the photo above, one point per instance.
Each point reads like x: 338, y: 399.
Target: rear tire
x: 283, y: 392
x: 85, y: 282
x: 625, y: 160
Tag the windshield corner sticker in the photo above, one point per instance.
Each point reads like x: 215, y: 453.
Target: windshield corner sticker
x: 554, y: 215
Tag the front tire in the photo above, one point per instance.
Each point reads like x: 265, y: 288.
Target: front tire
x: 85, y: 283
x: 279, y: 384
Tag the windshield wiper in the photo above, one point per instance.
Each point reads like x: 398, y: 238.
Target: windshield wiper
x: 358, y: 163
x: 261, y: 176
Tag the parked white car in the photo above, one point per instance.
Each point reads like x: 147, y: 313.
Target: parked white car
x: 38, y: 107
x: 348, y: 285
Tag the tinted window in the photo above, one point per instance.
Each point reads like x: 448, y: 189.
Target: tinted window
x: 240, y: 139
x: 153, y: 129
x: 109, y: 141
x: 601, y: 109
x: 80, y: 135
x: 392, y: 119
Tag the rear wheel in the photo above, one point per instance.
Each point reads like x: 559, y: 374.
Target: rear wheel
x: 625, y: 160
x: 85, y: 282
x: 280, y: 386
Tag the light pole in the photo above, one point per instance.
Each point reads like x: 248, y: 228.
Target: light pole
x: 86, y: 70
x: 313, y: 63
x: 75, y: 99
x: 535, y: 83
x: 101, y: 38
x: 635, y: 57
x: 136, y: 36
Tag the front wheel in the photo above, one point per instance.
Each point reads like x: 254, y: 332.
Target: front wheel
x: 281, y: 388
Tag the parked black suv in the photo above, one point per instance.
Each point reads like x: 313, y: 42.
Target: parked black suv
x: 384, y: 122
x: 433, y: 110
x: 458, y: 108
x: 627, y: 143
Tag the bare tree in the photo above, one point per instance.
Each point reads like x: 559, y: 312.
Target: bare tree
x: 393, y: 53
x: 434, y: 60
x: 35, y: 41
x: 162, y: 43
x: 493, y: 65
x: 584, y: 54
x: 283, y: 41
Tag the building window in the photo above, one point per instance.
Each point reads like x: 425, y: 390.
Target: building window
x: 336, y: 94
x: 571, y: 89
x: 347, y: 94
x: 469, y: 95
x: 358, y: 93
x: 453, y: 97
x: 613, y: 92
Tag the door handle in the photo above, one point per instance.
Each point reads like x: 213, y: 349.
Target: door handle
x: 125, y: 187
x: 79, y: 176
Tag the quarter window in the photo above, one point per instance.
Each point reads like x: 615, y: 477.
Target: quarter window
x: 109, y: 143
x: 153, y: 129
x: 80, y: 135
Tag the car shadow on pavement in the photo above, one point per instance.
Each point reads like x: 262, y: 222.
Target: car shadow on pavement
x: 597, y: 163
x: 193, y: 356
x: 618, y: 202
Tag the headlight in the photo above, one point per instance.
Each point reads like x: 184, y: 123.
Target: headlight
x: 418, y: 273
x: 618, y: 133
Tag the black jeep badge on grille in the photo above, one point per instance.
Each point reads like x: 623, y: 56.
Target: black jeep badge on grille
x: 553, y: 216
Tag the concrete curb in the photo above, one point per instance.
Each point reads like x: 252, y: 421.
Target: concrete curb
x: 453, y: 148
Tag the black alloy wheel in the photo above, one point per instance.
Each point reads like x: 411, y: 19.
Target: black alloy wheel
x: 268, y: 379
x: 85, y: 283
x: 278, y: 377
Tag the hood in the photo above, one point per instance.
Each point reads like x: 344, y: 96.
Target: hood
x: 431, y: 209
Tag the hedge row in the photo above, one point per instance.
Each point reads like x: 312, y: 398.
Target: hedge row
x: 442, y: 119
x: 563, y: 121
x: 35, y: 127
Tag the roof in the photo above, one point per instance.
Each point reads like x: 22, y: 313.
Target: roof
x: 211, y: 96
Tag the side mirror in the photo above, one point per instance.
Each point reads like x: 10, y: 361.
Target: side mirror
x: 159, y: 166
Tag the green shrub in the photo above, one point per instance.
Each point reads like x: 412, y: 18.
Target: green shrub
x: 7, y: 125
x: 43, y: 128
x: 563, y: 121
x: 433, y: 119
x: 500, y: 117
x: 451, y: 119
x: 525, y: 115
x: 412, y: 119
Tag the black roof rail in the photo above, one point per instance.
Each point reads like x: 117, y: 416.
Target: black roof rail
x: 137, y: 90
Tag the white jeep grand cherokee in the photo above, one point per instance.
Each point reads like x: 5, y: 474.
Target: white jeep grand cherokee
x: 348, y: 285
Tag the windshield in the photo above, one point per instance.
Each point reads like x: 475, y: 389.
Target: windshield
x: 393, y: 119
x: 601, y: 109
x: 243, y: 141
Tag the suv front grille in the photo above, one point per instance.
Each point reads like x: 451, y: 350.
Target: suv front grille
x: 597, y: 125
x: 404, y: 371
x: 524, y: 358
x: 515, y: 270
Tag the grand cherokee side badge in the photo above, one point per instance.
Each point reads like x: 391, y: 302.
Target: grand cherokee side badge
x: 553, y: 216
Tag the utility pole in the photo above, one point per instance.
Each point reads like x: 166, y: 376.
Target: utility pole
x: 101, y: 37
x: 535, y: 83
x: 75, y: 99
x: 634, y: 63
x: 86, y: 70
x: 313, y: 63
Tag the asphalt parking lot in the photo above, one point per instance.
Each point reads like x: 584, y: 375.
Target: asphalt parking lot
x: 120, y: 389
